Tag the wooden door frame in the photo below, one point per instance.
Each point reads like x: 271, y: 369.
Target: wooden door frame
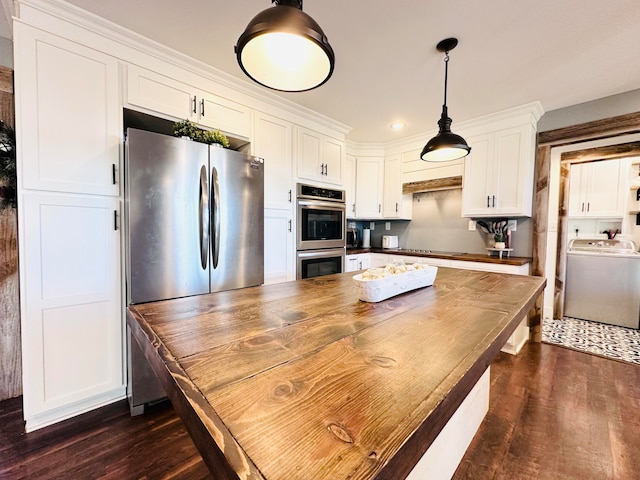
x: 599, y: 129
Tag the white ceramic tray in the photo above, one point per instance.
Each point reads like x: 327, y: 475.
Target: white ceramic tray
x: 392, y: 285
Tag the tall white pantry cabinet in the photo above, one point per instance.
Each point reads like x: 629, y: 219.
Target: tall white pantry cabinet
x: 68, y: 124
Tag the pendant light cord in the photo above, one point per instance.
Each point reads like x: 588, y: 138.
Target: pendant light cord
x: 446, y: 74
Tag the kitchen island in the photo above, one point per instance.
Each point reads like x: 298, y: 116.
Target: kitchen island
x: 301, y: 380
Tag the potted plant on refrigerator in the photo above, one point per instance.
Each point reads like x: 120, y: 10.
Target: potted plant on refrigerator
x: 186, y: 128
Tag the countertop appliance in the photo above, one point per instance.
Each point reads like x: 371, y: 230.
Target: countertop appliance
x: 321, y: 231
x: 194, y: 225
x: 603, y: 281
x: 389, y: 241
x: 352, y: 237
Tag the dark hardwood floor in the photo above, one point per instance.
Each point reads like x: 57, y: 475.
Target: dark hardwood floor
x: 558, y: 414
x: 554, y: 414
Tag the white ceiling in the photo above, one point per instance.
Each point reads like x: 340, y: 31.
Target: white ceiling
x: 387, y: 68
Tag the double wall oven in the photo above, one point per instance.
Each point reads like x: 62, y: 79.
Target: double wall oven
x: 320, y: 239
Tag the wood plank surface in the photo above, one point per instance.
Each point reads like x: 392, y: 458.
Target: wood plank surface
x: 303, y: 380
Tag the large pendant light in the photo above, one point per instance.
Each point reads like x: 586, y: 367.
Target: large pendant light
x: 283, y: 48
x: 446, y: 145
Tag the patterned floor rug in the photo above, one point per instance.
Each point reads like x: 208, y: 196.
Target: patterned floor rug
x: 610, y: 341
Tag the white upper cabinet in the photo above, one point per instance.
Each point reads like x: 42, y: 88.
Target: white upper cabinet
x: 161, y: 94
x: 320, y: 157
x: 395, y: 204
x: 67, y: 116
x: 272, y: 141
x: 369, y: 187
x: 499, y: 173
x: 349, y: 180
x: 596, y: 189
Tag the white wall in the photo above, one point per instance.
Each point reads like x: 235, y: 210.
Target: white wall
x: 6, y: 52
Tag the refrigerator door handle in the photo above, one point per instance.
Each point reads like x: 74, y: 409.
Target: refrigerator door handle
x: 203, y: 218
x: 215, y: 212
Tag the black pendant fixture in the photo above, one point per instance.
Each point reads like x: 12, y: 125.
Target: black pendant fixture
x: 446, y: 145
x: 283, y: 48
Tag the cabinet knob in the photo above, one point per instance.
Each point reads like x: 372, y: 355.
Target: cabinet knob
x: 396, y: 207
x: 289, y: 195
x: 379, y: 208
x: 195, y: 102
x: 487, y: 201
x: 202, y: 107
x: 289, y: 225
x: 494, y: 201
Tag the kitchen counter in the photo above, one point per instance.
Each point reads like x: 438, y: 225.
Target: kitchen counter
x: 469, y: 257
x: 301, y: 380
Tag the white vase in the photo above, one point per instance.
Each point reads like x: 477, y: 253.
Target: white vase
x: 500, y: 245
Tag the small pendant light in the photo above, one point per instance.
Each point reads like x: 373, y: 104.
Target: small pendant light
x: 283, y: 48
x: 446, y: 145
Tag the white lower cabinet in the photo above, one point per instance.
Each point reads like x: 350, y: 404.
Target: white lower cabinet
x: 358, y: 261
x: 279, y: 252
x: 71, y: 302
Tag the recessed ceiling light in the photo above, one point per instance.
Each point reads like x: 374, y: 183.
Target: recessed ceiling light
x: 397, y: 126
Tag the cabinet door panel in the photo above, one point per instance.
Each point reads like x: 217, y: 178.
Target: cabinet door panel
x: 603, y: 198
x: 161, y: 94
x: 333, y: 151
x: 223, y: 114
x: 478, y: 175
x: 309, y: 155
x: 349, y: 179
x: 68, y: 114
x: 577, y: 189
x: 278, y: 247
x: 273, y: 142
x: 392, y: 197
x: 509, y: 171
x: 71, y: 300
x: 369, y: 171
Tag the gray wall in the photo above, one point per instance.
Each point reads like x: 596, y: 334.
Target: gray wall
x: 6, y: 52
x: 437, y: 225
x: 612, y: 106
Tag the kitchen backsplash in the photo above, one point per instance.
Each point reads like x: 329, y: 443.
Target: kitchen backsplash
x: 437, y: 225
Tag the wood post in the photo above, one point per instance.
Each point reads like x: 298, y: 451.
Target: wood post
x: 10, y: 353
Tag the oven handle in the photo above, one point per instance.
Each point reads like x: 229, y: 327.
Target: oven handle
x: 327, y: 205
x: 321, y: 254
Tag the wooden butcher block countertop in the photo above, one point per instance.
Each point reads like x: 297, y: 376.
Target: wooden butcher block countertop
x: 301, y: 380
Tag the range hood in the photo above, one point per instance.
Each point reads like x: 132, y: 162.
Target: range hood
x: 446, y: 183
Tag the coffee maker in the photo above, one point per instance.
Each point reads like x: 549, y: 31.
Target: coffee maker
x: 352, y: 237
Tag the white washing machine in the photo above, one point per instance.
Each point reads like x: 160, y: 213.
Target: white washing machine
x: 603, y: 282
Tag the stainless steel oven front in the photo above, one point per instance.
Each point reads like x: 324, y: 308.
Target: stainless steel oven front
x: 315, y: 263
x: 321, y: 218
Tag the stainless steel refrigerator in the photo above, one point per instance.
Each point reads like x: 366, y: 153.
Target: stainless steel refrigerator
x: 194, y: 225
